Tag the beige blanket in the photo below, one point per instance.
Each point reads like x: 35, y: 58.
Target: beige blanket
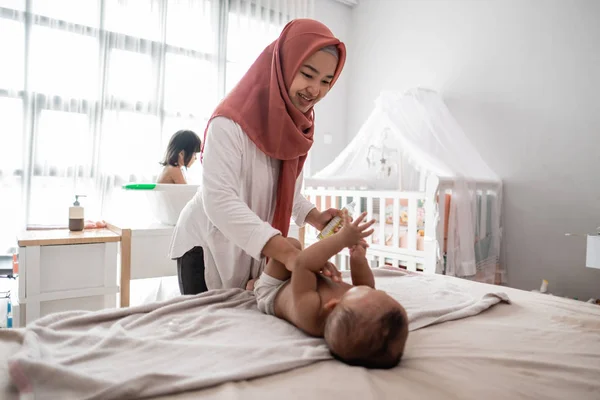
x: 539, y: 348
x: 193, y: 342
x: 429, y: 300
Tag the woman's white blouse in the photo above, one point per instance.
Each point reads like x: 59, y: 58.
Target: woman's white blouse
x: 230, y: 215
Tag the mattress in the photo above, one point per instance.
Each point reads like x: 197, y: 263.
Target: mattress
x: 539, y: 347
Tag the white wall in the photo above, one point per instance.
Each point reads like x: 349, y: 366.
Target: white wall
x: 522, y: 77
x: 331, y: 113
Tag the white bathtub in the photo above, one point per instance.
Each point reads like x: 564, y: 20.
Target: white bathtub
x: 165, y: 200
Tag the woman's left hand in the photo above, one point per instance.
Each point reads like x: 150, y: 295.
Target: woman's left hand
x: 250, y: 284
x: 322, y: 218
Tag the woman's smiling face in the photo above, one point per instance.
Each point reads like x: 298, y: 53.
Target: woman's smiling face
x: 313, y: 80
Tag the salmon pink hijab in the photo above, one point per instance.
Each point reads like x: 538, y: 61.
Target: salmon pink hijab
x: 261, y: 106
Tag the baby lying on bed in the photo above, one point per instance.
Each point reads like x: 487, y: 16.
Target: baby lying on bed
x: 361, y: 325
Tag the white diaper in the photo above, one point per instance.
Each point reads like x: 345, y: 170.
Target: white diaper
x: 265, y: 290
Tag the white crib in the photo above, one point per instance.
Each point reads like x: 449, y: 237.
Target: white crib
x: 413, y: 232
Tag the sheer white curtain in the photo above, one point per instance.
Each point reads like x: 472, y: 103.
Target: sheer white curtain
x: 92, y: 90
x: 252, y: 25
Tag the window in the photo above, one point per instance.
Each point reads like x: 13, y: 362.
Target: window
x: 17, y: 5
x: 137, y: 18
x: 82, y: 12
x: 130, y: 76
x: 130, y: 142
x: 92, y: 90
x: 62, y: 142
x: 192, y: 26
x: 190, y: 85
x: 12, y: 51
x: 11, y: 136
x: 247, y: 37
x: 11, y: 168
x: 63, y: 63
x: 62, y: 159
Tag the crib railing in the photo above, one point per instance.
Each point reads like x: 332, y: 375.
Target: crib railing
x: 418, y: 252
x: 383, y: 249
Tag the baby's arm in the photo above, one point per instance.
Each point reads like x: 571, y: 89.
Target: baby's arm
x: 308, y: 263
x: 306, y: 310
x: 352, y: 233
x: 360, y: 269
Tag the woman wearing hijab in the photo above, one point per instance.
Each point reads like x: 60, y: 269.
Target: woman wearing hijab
x: 254, y: 148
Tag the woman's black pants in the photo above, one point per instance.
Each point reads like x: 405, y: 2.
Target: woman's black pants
x: 190, y: 271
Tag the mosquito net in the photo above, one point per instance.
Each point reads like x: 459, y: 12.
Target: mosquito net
x: 407, y: 137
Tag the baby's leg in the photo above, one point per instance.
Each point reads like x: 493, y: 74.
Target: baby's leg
x: 276, y: 269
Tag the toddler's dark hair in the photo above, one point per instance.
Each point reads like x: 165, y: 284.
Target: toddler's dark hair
x: 184, y: 140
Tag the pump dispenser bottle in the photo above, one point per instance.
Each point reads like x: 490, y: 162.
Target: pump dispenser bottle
x: 76, y: 219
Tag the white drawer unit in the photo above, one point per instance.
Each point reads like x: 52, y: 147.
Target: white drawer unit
x: 61, y: 270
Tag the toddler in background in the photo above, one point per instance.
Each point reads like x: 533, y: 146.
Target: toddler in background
x: 181, y: 153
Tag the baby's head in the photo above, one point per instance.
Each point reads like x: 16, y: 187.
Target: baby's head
x: 368, y: 328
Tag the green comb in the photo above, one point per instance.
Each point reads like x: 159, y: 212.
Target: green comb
x: 140, y: 186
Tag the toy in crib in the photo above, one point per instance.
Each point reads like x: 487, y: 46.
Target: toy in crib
x: 403, y: 222
x: 389, y: 215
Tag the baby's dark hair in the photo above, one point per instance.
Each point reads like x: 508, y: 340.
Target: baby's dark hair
x: 373, y: 347
x: 184, y: 140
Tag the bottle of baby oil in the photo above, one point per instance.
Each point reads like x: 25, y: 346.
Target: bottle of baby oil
x: 76, y: 217
x: 335, y: 222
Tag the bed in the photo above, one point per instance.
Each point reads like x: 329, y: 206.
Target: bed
x: 538, y: 347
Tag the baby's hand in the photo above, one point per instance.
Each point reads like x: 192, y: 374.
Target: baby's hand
x: 355, y: 232
x: 359, y: 250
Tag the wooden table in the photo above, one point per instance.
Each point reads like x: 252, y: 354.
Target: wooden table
x: 144, y: 253
x: 52, y: 237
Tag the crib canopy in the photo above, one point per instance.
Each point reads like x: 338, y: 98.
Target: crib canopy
x: 407, y: 135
